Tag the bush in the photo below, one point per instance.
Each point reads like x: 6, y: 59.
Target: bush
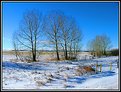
x: 88, y: 68
x: 114, y: 52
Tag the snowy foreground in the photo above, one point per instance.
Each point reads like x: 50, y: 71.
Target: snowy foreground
x: 60, y: 75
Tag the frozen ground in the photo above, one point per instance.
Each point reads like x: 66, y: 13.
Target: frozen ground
x: 59, y: 75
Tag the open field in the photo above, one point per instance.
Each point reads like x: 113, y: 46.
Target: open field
x: 10, y: 52
x: 43, y: 56
x: 64, y: 74
x: 24, y: 52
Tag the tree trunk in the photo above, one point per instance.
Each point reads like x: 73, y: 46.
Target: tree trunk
x: 34, y: 57
x: 57, y: 51
x: 66, y: 54
x: 104, y: 52
x: 70, y: 53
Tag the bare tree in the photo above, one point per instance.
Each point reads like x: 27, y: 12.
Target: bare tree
x: 74, y: 40
x: 15, y: 45
x: 90, y: 47
x: 29, y: 33
x: 106, y: 43
x: 77, y: 38
x: 70, y: 35
x: 62, y: 32
x: 99, y: 45
x: 51, y: 28
x: 65, y: 28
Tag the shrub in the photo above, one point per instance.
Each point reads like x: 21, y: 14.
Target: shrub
x: 40, y: 83
x: 84, y: 70
x: 114, y: 52
x: 88, y: 68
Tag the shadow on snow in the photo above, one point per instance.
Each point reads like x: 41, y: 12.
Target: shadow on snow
x: 81, y: 79
x: 26, y: 66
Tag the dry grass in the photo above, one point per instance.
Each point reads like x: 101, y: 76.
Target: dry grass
x: 79, y: 72
x: 88, y: 68
x: 10, y: 52
x: 84, y: 69
x: 55, y: 59
x: 40, y: 83
x: 65, y: 85
x: 47, y: 56
x: 61, y: 59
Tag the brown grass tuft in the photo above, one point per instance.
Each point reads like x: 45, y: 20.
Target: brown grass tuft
x: 88, y: 68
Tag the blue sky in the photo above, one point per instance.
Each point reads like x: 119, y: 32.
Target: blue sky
x: 93, y: 18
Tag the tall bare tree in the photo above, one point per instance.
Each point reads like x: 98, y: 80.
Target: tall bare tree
x: 62, y: 32
x: 51, y: 28
x: 70, y: 35
x: 65, y: 28
x: 77, y: 38
x: 29, y: 33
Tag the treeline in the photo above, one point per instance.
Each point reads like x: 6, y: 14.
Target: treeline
x: 114, y: 52
x: 62, y: 32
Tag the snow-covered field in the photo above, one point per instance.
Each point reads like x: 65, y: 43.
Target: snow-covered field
x: 59, y: 75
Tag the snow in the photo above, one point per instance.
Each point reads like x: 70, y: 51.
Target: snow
x: 8, y: 57
x: 103, y: 82
x: 59, y: 75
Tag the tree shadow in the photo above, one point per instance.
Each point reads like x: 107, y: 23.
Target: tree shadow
x: 25, y: 66
x: 81, y: 79
x: 77, y: 79
x: 103, y: 74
